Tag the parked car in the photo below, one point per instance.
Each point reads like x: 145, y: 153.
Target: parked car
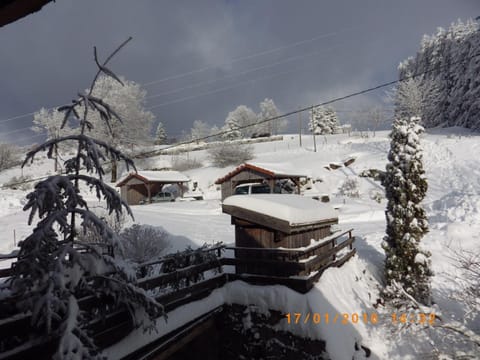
x: 281, y: 187
x: 160, y: 197
x: 252, y: 188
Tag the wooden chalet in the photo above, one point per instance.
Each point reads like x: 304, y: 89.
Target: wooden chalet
x: 142, y: 185
x: 249, y: 173
x: 283, y: 235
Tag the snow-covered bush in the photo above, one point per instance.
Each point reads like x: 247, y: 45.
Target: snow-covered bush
x: 8, y: 156
x: 183, y: 164
x: 54, y: 269
x: 350, y: 188
x: 143, y: 242
x: 230, y: 153
x: 407, y: 266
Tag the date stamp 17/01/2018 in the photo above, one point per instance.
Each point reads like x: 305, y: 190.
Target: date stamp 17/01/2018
x: 355, y: 318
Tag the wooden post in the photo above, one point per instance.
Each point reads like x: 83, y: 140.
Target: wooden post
x: 180, y: 185
x: 300, y: 128
x: 271, y: 183
x: 149, y: 192
x: 314, y: 140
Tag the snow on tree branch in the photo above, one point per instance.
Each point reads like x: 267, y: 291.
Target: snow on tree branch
x: 52, y: 272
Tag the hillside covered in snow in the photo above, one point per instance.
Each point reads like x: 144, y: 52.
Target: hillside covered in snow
x: 452, y: 204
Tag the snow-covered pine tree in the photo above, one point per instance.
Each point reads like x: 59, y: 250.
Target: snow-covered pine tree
x: 54, y: 270
x: 313, y: 125
x: 323, y: 120
x: 407, y: 266
x: 331, y: 120
x: 160, y: 134
x: 450, y: 60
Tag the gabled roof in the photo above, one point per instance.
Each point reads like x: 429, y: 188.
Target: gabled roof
x: 273, y: 173
x: 168, y: 176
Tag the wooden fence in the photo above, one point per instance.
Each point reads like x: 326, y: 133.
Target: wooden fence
x: 298, y: 269
x: 179, y: 279
x: 196, y: 281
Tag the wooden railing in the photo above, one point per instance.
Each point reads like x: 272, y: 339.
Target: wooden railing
x: 298, y: 269
x: 196, y: 281
x: 180, y: 278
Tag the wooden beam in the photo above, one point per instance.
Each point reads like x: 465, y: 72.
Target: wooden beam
x: 159, y: 349
x: 150, y: 283
x: 299, y: 285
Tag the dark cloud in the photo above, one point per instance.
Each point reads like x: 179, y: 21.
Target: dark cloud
x: 207, y: 49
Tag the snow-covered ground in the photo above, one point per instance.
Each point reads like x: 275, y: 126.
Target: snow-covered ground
x: 452, y: 203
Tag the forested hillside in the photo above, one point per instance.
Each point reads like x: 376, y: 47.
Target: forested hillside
x: 451, y: 60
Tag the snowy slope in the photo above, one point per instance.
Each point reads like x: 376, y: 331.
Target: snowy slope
x: 452, y: 203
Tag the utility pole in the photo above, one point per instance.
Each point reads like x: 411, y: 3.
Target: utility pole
x: 56, y: 151
x: 313, y: 130
x: 300, y: 128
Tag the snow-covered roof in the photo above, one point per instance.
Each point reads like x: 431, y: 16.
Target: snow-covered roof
x: 291, y: 210
x: 272, y: 170
x: 164, y: 176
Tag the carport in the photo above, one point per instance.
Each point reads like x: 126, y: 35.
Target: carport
x: 137, y: 186
x: 247, y: 173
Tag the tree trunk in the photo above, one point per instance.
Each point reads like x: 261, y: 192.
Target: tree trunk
x: 114, y: 171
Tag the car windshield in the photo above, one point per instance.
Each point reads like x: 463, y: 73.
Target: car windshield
x: 242, y: 190
x: 260, y: 189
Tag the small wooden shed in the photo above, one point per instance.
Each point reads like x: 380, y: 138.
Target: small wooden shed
x: 142, y: 185
x: 273, y: 221
x: 249, y: 173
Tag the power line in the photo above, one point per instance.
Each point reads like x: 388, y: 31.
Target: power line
x: 210, y: 82
x: 209, y: 67
x: 192, y: 86
x: 307, y: 108
x: 17, y: 130
x: 220, y: 89
x: 178, y: 76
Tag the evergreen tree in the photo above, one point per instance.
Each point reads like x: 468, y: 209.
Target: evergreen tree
x: 160, y: 135
x: 323, y: 120
x: 407, y: 266
x: 313, y: 123
x: 54, y: 268
x: 447, y: 94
